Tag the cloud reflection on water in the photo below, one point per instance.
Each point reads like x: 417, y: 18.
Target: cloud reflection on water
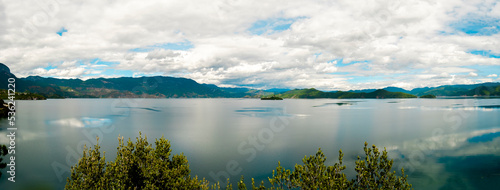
x: 470, y: 155
x: 83, y: 122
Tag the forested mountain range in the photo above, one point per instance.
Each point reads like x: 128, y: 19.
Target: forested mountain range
x: 173, y: 87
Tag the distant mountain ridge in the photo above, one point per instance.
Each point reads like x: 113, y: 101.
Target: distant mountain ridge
x: 446, y: 90
x: 390, y: 89
x: 172, y: 87
x: 313, y: 93
x: 147, y: 87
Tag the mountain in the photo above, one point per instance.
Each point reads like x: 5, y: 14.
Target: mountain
x: 484, y: 91
x: 277, y: 90
x: 446, y: 90
x: 5, y: 74
x: 313, y: 93
x: 146, y: 87
x: 396, y: 89
x: 172, y: 87
x: 390, y: 89
x: 244, y: 92
x: 362, y: 91
x: 453, y: 90
x: 440, y: 91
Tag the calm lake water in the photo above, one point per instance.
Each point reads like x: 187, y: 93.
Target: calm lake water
x: 441, y: 143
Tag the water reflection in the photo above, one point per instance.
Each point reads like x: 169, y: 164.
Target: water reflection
x: 84, y: 122
x: 209, y: 132
x: 484, y: 138
x: 461, y: 160
x: 454, y: 107
x: 453, y: 141
x: 471, y: 172
x: 343, y: 103
x: 262, y: 111
x: 394, y: 102
x: 490, y: 106
x: 143, y: 108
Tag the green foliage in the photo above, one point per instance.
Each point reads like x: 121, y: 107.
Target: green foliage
x: 374, y: 172
x: 241, y: 184
x: 139, y: 165
x: 485, y: 91
x: 313, y: 93
x: 428, y: 96
x: 3, y: 152
x: 273, y: 97
x: 22, y: 95
x: 315, y: 175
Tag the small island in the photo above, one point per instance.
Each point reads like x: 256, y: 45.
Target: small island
x: 271, y: 98
x: 428, y: 96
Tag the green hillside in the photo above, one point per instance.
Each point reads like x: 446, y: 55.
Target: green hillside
x: 172, y: 87
x: 313, y: 93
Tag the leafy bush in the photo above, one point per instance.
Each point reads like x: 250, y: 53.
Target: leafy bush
x: 373, y: 172
x: 137, y: 166
x: 140, y: 166
x: 428, y: 96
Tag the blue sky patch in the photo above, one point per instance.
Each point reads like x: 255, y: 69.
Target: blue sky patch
x: 484, y: 53
x: 476, y: 25
x: 341, y: 73
x: 50, y: 67
x: 104, y: 68
x: 98, y: 61
x: 185, y: 45
x: 148, y: 74
x: 340, y: 63
x: 484, y: 138
x: 112, y: 72
x: 484, y: 70
x: 366, y: 79
x: 61, y: 31
x: 272, y: 25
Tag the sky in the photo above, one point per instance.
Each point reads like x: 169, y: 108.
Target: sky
x: 323, y: 44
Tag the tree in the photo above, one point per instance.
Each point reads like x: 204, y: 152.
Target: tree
x: 428, y: 96
x: 374, y: 172
x: 137, y: 166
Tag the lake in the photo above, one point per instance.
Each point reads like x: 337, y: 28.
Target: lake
x: 441, y: 143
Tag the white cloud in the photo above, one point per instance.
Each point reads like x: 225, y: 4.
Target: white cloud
x: 472, y: 74
x: 325, y: 68
x: 161, y: 54
x: 61, y: 73
x: 492, y: 75
x: 392, y: 41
